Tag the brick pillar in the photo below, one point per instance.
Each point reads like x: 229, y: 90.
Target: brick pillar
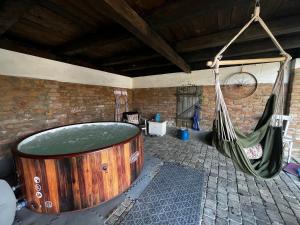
x: 294, y: 110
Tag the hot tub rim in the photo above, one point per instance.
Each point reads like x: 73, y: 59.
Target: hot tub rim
x: 18, y: 153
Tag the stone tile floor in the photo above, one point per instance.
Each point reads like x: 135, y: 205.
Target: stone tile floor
x: 231, y: 196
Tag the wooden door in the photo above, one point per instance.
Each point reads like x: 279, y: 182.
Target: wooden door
x: 187, y: 98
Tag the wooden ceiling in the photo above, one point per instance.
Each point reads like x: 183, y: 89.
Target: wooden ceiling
x: 144, y: 37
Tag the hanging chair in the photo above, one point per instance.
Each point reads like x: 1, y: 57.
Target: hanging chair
x: 268, y: 131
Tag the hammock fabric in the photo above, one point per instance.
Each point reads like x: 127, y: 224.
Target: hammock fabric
x: 268, y: 132
x: 269, y: 137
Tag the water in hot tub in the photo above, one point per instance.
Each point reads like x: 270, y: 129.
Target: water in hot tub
x: 77, y: 138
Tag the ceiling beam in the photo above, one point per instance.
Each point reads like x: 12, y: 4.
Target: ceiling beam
x: 11, y: 11
x: 122, y: 13
x: 239, y: 50
x: 281, y: 26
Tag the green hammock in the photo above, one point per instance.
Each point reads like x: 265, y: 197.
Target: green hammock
x: 268, y: 132
x: 269, y: 165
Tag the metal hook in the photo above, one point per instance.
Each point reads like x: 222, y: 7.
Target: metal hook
x: 257, y: 3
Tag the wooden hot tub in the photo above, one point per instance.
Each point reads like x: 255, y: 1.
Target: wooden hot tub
x: 78, y: 166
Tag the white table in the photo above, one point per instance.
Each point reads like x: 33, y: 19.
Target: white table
x: 157, y: 128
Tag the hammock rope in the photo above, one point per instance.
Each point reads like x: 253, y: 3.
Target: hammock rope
x: 255, y: 18
x: 229, y: 140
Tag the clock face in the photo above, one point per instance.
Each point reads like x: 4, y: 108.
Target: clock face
x: 239, y: 85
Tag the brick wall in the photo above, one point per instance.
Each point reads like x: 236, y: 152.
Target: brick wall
x: 244, y: 112
x: 30, y: 105
x: 149, y: 101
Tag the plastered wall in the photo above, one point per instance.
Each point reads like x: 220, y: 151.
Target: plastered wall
x: 23, y: 65
x: 264, y: 73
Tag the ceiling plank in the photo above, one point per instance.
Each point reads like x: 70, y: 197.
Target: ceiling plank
x: 85, y: 42
x: 179, y: 11
x: 129, y: 58
x: 278, y: 27
x: 26, y: 47
x: 100, y: 39
x: 248, y: 48
x: 12, y: 11
x: 159, y: 18
x: 123, y: 14
x: 66, y: 14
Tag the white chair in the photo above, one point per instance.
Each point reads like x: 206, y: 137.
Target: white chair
x: 287, y: 140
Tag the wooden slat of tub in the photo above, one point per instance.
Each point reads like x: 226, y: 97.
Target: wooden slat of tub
x: 121, y: 168
x: 114, y: 164
x: 137, y: 149
x: 35, y: 173
x: 127, y: 153
x: 20, y: 171
x: 65, y: 184
x: 80, y: 171
x: 99, y: 175
x: 141, y: 151
x: 41, y: 172
x: 133, y: 164
x: 113, y: 179
x: 106, y: 174
x: 76, y: 184
x: 30, y: 193
x: 95, y: 181
x: 87, y: 179
x: 24, y: 177
x: 51, y: 174
x: 137, y: 162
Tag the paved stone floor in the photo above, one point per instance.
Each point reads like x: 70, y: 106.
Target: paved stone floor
x: 231, y: 196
